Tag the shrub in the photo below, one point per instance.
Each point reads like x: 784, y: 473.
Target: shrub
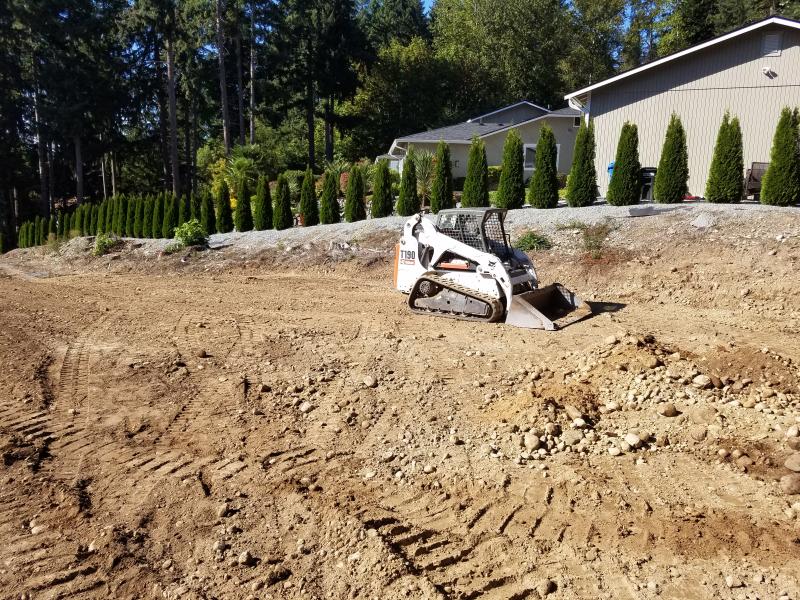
x: 354, y: 209
x: 309, y: 208
x: 173, y: 247
x: 158, y: 216
x: 170, y: 217
x: 184, y: 209
x: 243, y: 216
x: 103, y: 244
x: 582, y: 180
x: 262, y: 206
x: 408, y: 201
x: 207, y: 218
x: 223, y: 208
x: 511, y: 189
x: 329, y: 199
x: 476, y: 185
x: 543, y: 191
x: 442, y: 189
x: 191, y: 233
x: 531, y: 241
x: 672, y: 176
x: 726, y: 177
x: 282, y: 215
x: 625, y: 187
x: 780, y: 185
x: 382, y: 199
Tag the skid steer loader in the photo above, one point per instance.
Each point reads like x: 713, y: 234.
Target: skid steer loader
x: 464, y: 266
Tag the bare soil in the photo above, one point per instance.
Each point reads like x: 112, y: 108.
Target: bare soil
x: 273, y: 423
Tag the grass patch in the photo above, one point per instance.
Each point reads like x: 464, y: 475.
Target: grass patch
x: 594, y: 238
x: 103, y: 244
x: 532, y: 241
x: 572, y: 225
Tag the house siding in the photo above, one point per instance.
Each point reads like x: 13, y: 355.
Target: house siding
x: 700, y: 88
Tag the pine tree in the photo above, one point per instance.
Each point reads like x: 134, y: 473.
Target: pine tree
x: 183, y: 210
x: 223, y: 209
x: 329, y: 199
x: 476, y: 185
x: 672, y: 176
x: 726, y: 177
x: 309, y: 206
x: 158, y: 216
x: 382, y: 200
x: 170, y: 221
x: 511, y: 189
x: 208, y: 220
x: 780, y: 185
x: 243, y: 216
x: 130, y: 217
x: 194, y: 206
x: 407, y: 199
x: 282, y: 215
x: 582, y: 180
x: 442, y: 190
x: 543, y: 192
x: 625, y: 187
x: 354, y: 209
x: 262, y: 206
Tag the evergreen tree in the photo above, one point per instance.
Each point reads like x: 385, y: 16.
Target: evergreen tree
x: 170, y: 217
x: 147, y: 217
x: 194, y: 206
x: 543, y: 192
x: 108, y: 227
x: 408, y: 200
x: 672, y: 176
x: 726, y: 177
x: 95, y: 217
x: 130, y: 217
x: 382, y: 200
x: 442, y: 190
x: 67, y: 226
x: 262, y: 206
x: 780, y: 185
x: 184, y: 209
x: 329, y: 199
x: 122, y: 222
x: 582, y: 180
x: 101, y: 218
x: 354, y: 209
x: 208, y: 220
x: 45, y: 229
x: 282, y: 215
x: 138, y: 213
x: 223, y: 208
x: 87, y: 219
x: 309, y: 207
x: 60, y: 228
x: 476, y: 185
x: 37, y: 231
x: 511, y: 189
x: 625, y: 187
x: 243, y: 217
x: 157, y: 220
x: 21, y: 241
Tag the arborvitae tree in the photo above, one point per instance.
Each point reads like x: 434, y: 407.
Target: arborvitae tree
x: 442, y: 190
x: 122, y: 216
x: 511, y: 189
x: 780, y: 185
x: 625, y: 187
x: 223, y: 208
x: 60, y: 228
x: 582, y: 180
x: 158, y: 216
x: 262, y: 206
x: 726, y: 177
x: 183, y: 210
x: 543, y: 192
x: 45, y: 229
x: 243, y: 217
x: 170, y: 217
x: 354, y: 208
x: 87, y: 219
x: 95, y: 217
x: 208, y: 220
x: 21, y: 241
x: 672, y: 176
x: 111, y: 207
x: 147, y: 217
x: 476, y: 185
x: 407, y: 199
x: 194, y: 207
x: 130, y: 217
x: 138, y: 213
x: 67, y: 225
x: 309, y: 207
x: 282, y: 215
x: 382, y: 200
x: 37, y: 231
x: 329, y: 199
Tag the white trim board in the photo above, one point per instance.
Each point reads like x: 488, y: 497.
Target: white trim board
x: 494, y: 112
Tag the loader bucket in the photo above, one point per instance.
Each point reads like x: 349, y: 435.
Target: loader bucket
x: 550, y: 308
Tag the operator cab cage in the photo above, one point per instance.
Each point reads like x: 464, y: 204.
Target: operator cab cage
x: 479, y: 228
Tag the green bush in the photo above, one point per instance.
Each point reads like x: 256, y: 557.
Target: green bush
x: 191, y: 233
x: 543, y: 191
x: 511, y: 188
x: 354, y: 209
x: 207, y: 218
x: 243, y: 215
x: 408, y: 200
x: 103, y: 244
x: 329, y: 199
x: 493, y: 174
x: 780, y: 185
x: 282, y: 215
x: 442, y: 189
x: 626, y: 180
x: 476, y: 185
x: 582, y: 180
x: 531, y: 241
x: 382, y: 198
x: 726, y: 177
x: 309, y: 207
x: 672, y: 176
x: 262, y: 206
x: 223, y: 209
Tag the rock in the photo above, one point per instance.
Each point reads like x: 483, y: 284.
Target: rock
x: 793, y: 462
x: 531, y: 441
x: 652, y: 362
x: 703, y: 414
x: 370, y: 381
x: 572, y: 437
x: 246, y: 559
x: 610, y: 340
x: 428, y: 469
x: 698, y: 433
x: 632, y: 439
x: 614, y: 451
x: 202, y: 354
x: 668, y: 410
x: 790, y: 484
x: 223, y: 510
x: 546, y: 587
x: 702, y: 381
x: 794, y: 443
x: 744, y: 461
x: 306, y: 407
x: 702, y: 221
x: 733, y: 582
x: 793, y: 432
x: 278, y: 573
x: 715, y: 381
x: 572, y: 412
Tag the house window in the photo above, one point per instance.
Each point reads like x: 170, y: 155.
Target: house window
x: 771, y: 44
x: 529, y: 156
x: 454, y: 164
x: 576, y: 122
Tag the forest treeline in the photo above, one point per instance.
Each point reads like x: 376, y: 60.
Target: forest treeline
x: 106, y: 97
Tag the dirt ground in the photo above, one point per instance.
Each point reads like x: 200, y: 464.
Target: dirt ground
x: 275, y: 424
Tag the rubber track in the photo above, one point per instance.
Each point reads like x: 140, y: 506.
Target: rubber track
x: 495, y: 305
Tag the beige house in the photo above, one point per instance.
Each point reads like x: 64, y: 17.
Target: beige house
x: 752, y: 72
x: 526, y: 117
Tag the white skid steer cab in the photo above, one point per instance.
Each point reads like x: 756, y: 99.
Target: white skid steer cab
x: 464, y: 266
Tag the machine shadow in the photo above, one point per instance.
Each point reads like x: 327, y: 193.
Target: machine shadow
x: 598, y: 308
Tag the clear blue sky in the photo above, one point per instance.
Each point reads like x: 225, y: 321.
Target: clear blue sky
x: 427, y: 4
